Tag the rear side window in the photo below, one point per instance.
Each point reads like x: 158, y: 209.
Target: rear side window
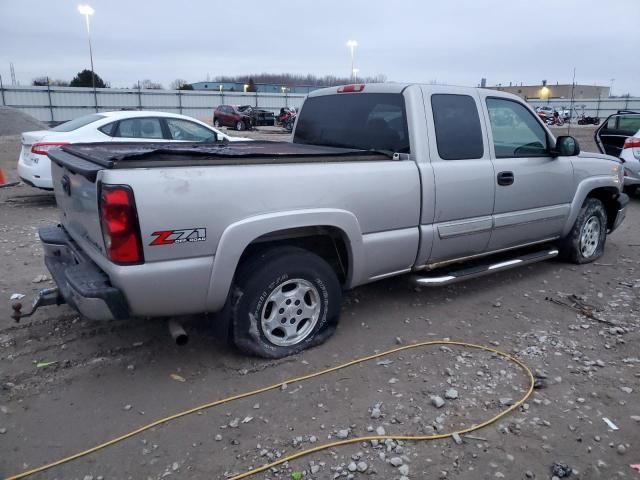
x: 629, y: 124
x: 367, y: 121
x: 457, y: 125
x: 109, y: 128
x: 76, y: 123
x: 140, y: 128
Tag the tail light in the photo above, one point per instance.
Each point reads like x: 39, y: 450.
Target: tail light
x: 633, y: 142
x: 120, y: 228
x: 42, y: 148
x: 351, y: 88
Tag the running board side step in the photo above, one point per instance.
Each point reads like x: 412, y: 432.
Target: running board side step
x: 453, y: 276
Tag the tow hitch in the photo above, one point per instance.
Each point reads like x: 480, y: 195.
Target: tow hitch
x: 46, y: 296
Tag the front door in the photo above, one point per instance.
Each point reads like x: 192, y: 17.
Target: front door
x: 533, y: 189
x: 464, y: 177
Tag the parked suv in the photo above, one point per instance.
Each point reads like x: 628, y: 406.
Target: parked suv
x: 231, y: 116
x: 619, y: 135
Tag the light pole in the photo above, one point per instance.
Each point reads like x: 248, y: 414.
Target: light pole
x: 355, y: 75
x: 352, y: 44
x: 87, y: 11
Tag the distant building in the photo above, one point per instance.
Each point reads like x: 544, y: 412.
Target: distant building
x: 260, y: 87
x: 544, y: 92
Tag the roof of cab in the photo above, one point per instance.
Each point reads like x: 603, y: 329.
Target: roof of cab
x: 392, y: 87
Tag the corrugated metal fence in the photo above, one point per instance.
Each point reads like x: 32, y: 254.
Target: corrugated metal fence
x: 58, y: 104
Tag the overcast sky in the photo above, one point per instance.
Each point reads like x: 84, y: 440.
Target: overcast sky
x: 451, y: 41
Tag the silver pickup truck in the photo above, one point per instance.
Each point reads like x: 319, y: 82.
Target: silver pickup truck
x: 445, y: 183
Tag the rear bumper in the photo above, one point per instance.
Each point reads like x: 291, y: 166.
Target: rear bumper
x: 631, y: 179
x: 36, y: 174
x: 80, y: 281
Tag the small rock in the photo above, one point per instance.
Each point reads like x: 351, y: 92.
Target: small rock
x: 218, y: 437
x: 380, y: 431
x: 626, y: 389
x: 506, y: 401
x: 437, y: 401
x: 621, y: 449
x: 343, y: 433
x: 497, y: 304
x: 175, y: 466
x: 393, y: 380
x: 451, y: 394
x: 456, y: 438
x: 87, y: 477
x: 40, y: 279
x: 528, y: 474
x: 362, y: 467
x: 127, y: 407
x: 561, y: 470
x: 315, y: 469
x: 313, y: 439
x: 399, y: 340
x: 352, y: 467
x: 403, y: 470
x: 396, y: 461
x: 3, y: 431
x: 234, y: 423
x: 635, y: 418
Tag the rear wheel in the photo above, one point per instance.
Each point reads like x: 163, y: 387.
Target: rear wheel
x: 284, y: 300
x: 586, y: 240
x: 216, y: 123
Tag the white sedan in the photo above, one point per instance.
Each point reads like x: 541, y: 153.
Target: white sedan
x: 34, y: 167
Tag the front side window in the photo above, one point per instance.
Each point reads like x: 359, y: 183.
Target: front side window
x: 457, y: 125
x: 189, y: 131
x: 140, y: 128
x: 367, y: 121
x: 516, y: 132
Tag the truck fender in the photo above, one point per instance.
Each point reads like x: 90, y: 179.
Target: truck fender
x: 585, y: 187
x: 238, y: 236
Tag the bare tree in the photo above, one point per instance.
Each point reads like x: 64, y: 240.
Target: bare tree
x: 150, y: 85
x: 180, y: 84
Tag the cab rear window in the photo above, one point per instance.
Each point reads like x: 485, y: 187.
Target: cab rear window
x: 356, y: 120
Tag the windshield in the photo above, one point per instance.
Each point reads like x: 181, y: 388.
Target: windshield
x: 369, y: 121
x: 77, y: 123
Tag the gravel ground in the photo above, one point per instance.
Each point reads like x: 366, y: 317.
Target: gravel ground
x: 67, y: 383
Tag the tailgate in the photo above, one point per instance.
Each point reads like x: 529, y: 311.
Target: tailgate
x: 77, y: 198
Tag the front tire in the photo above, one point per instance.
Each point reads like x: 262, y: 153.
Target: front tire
x: 284, y: 300
x: 216, y: 123
x: 240, y: 125
x: 585, y: 242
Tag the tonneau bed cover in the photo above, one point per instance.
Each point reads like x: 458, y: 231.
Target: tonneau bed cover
x: 88, y: 159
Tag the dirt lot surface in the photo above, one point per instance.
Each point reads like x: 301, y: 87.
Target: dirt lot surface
x: 67, y: 383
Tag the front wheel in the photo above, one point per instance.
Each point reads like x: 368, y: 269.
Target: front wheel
x: 585, y: 242
x: 240, y: 125
x: 216, y: 123
x: 284, y: 300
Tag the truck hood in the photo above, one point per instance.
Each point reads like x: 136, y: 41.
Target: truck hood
x: 599, y: 156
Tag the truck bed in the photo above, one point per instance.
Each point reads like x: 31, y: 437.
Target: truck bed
x: 89, y: 158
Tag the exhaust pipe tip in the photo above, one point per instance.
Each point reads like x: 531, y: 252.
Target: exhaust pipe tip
x: 178, y: 333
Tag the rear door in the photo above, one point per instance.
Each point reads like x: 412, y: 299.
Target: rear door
x: 533, y: 189
x: 139, y: 129
x: 613, y: 132
x: 464, y: 176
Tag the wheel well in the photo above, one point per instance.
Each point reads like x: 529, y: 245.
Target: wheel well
x: 607, y: 196
x: 327, y: 242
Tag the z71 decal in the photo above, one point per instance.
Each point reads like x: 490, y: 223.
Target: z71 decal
x: 169, y: 237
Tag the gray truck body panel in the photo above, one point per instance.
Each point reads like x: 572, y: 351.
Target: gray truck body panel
x: 394, y: 215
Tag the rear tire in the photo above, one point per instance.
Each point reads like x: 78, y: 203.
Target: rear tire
x: 585, y: 242
x: 216, y: 123
x: 284, y: 300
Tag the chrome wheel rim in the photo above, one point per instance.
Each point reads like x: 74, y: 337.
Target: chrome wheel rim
x: 216, y: 123
x: 239, y: 126
x: 590, y: 236
x: 290, y: 312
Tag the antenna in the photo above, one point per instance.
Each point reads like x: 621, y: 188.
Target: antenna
x: 573, y: 87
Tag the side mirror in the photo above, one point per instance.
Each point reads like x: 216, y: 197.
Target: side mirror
x: 566, y: 146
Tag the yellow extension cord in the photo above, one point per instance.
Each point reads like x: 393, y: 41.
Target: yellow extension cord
x: 302, y: 379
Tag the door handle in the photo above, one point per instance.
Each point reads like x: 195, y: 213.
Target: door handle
x: 506, y: 178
